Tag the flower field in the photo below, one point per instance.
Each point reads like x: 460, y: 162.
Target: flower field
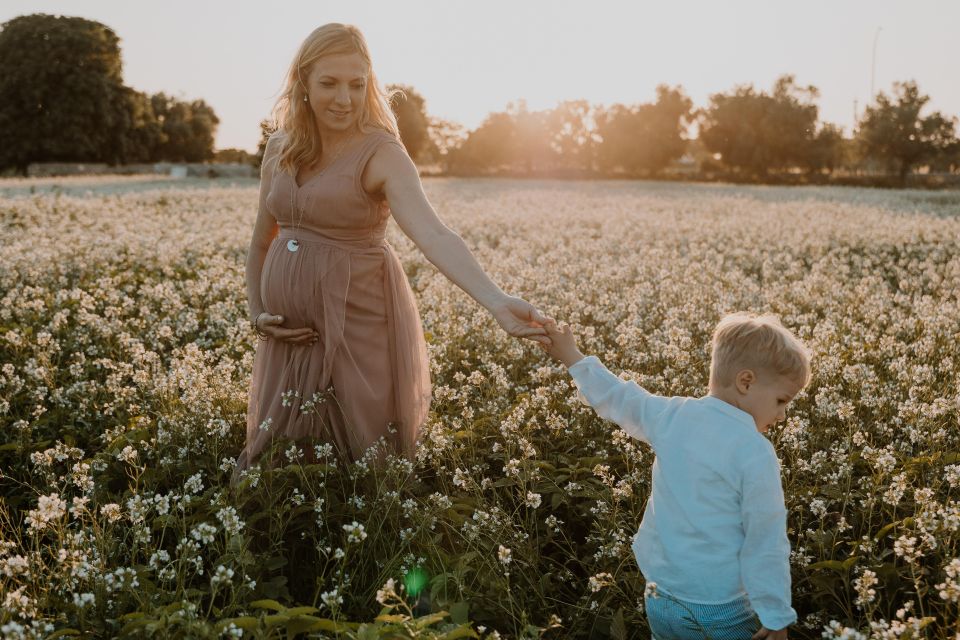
x: 125, y: 355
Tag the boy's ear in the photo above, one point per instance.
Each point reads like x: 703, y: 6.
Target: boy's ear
x: 745, y: 379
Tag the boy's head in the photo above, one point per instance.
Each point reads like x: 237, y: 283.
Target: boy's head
x: 758, y: 366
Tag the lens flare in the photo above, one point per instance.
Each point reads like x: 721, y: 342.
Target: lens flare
x: 415, y: 581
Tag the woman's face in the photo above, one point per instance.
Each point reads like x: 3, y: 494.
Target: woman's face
x: 337, y: 86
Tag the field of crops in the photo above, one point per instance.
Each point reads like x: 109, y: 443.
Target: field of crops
x: 125, y: 355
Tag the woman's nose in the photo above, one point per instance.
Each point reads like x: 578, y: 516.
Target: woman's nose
x: 343, y: 96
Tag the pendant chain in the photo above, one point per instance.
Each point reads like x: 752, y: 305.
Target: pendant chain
x: 293, y: 245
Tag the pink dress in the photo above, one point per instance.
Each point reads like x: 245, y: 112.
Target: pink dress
x: 368, y: 375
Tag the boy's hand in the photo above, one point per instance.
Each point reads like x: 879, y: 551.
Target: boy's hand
x: 770, y: 634
x: 564, y: 345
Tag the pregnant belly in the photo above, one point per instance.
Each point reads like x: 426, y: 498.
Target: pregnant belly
x: 320, y: 279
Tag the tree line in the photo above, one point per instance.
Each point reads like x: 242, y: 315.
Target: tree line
x: 62, y: 98
x: 747, y: 132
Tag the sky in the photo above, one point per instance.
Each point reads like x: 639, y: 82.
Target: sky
x: 469, y: 59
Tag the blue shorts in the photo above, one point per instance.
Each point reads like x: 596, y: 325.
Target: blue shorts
x: 673, y: 619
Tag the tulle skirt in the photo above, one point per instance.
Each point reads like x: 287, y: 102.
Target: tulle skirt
x: 367, y: 376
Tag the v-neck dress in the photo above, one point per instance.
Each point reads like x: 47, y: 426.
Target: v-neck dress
x: 368, y: 375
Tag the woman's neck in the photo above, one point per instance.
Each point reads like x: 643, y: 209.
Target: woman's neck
x: 333, y: 140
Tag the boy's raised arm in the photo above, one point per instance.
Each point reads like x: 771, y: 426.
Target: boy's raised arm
x: 625, y: 403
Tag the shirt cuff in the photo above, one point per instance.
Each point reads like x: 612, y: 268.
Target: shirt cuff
x: 776, y: 620
x: 580, y: 366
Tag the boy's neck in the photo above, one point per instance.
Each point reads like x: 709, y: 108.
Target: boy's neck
x: 726, y: 394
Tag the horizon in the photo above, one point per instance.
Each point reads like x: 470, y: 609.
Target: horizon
x: 469, y: 61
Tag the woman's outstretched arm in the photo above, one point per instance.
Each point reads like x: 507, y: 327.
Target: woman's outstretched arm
x: 392, y: 172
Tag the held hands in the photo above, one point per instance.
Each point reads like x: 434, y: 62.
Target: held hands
x: 268, y: 325
x: 521, y: 319
x: 770, y: 634
x: 564, y: 345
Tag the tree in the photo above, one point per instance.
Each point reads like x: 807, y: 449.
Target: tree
x: 530, y: 145
x: 760, y: 132
x: 235, y: 156
x: 188, y: 129
x: 826, y: 150
x: 893, y: 132
x: 571, y: 134
x: 486, y: 147
x: 266, y: 130
x: 61, y: 92
x: 948, y: 160
x: 445, y: 136
x: 411, y: 111
x: 142, y: 133
x: 647, y: 137
x: 517, y: 139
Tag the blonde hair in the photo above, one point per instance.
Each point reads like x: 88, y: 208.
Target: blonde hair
x: 293, y: 115
x: 749, y: 341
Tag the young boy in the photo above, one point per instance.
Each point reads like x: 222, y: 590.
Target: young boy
x: 713, y: 537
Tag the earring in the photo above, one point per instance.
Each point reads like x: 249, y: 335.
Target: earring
x: 304, y: 98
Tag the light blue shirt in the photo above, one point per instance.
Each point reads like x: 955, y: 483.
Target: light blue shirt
x: 714, y: 527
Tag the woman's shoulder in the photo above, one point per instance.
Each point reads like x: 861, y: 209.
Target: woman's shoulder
x: 376, y: 137
x: 272, y: 151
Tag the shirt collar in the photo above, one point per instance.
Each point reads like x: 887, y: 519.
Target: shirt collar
x: 731, y: 411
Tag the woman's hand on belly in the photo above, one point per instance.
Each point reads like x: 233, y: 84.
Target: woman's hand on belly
x: 269, y: 325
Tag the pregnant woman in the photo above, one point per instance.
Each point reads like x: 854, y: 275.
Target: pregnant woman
x: 342, y: 355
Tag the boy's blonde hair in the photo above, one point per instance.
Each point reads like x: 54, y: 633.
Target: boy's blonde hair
x: 758, y: 342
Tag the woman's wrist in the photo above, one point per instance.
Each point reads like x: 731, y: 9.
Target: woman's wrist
x: 256, y: 325
x: 493, y: 300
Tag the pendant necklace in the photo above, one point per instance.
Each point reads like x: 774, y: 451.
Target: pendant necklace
x: 293, y: 244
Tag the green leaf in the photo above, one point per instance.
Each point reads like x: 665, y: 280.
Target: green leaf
x: 136, y: 624
x: 301, y: 611
x: 272, y: 605
x: 460, y: 612
x: 133, y: 615
x: 556, y: 500
x: 326, y: 624
x: 459, y: 632
x: 431, y: 619
x: 247, y: 623
x: 390, y: 618
x: 301, y: 624
x: 59, y: 633
x: 618, y: 629
x: 885, y: 530
x: 825, y: 584
x: 832, y: 565
x: 276, y: 619
x: 367, y: 632
x: 887, y: 572
x: 465, y: 561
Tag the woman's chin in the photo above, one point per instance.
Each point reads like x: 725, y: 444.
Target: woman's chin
x: 333, y: 123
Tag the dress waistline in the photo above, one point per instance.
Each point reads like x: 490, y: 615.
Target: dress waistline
x: 309, y: 236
